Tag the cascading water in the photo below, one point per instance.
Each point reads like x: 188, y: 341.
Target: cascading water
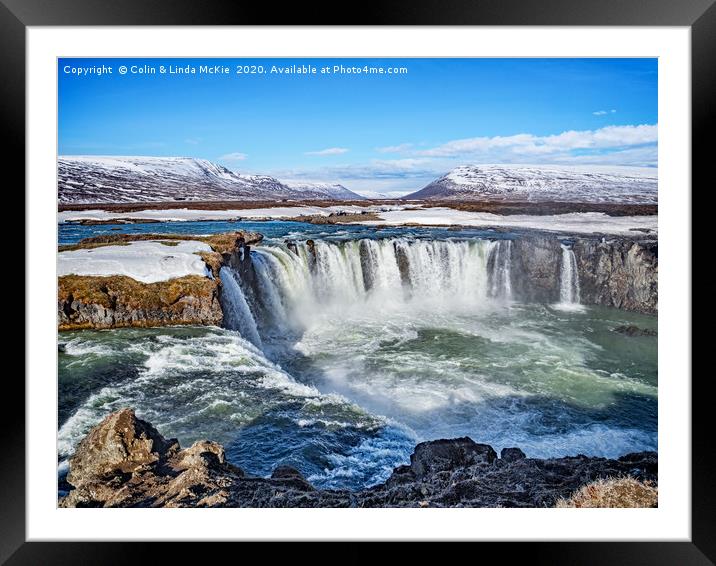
x: 368, y: 347
x: 569, y: 278
x: 327, y: 275
x: 500, y: 265
x: 237, y: 314
x: 292, y: 285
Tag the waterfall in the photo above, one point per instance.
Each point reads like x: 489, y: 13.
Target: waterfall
x: 237, y: 314
x: 500, y: 269
x: 569, y: 277
x: 358, y: 271
x: 293, y: 284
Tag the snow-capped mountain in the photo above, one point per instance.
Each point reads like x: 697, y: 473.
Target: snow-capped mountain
x: 327, y: 190
x: 98, y: 179
x: 544, y: 183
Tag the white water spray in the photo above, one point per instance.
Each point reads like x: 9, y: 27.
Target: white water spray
x: 237, y: 314
x: 501, y: 270
x: 293, y: 287
x: 569, y: 278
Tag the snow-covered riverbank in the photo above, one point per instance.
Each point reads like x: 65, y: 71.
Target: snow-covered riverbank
x: 395, y: 215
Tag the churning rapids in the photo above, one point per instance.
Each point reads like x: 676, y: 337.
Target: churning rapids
x: 339, y: 356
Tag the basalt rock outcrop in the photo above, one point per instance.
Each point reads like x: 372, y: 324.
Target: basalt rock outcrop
x: 619, y: 273
x: 125, y: 462
x: 535, y: 267
x: 631, y: 330
x: 615, y: 272
x: 94, y: 302
x: 118, y: 301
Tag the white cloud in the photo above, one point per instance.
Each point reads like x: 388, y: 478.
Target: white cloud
x: 633, y: 157
x: 236, y: 156
x: 386, y: 169
x: 376, y: 168
x: 328, y: 151
x: 192, y: 141
x: 400, y: 148
x: 611, y: 145
x: 604, y: 112
x: 520, y: 146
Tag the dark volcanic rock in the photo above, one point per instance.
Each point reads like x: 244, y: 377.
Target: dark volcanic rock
x: 631, y: 330
x: 125, y: 462
x: 536, y: 263
x: 616, y: 272
x: 512, y: 454
x: 444, y: 455
x: 619, y: 273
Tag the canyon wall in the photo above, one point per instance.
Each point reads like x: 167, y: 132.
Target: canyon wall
x: 531, y: 268
x: 614, y: 272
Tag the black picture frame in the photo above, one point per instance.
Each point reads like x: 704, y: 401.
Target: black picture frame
x: 699, y: 15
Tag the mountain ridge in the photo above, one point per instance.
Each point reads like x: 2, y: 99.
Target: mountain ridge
x: 85, y: 179
x: 636, y: 185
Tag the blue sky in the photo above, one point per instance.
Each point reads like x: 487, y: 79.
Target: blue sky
x: 371, y: 132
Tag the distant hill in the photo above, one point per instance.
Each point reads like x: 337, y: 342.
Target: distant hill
x: 544, y: 183
x: 98, y: 179
x: 328, y: 190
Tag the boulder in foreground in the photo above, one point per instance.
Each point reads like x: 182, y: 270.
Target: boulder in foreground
x: 125, y: 462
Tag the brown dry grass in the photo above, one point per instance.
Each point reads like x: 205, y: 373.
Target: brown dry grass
x: 613, y: 492
x: 111, y: 291
x: 495, y: 206
x: 220, y: 243
x: 210, y: 204
x: 213, y: 260
x: 335, y: 218
x: 507, y: 207
x: 101, y: 290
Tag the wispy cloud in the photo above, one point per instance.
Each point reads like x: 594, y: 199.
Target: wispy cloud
x: 235, y: 156
x: 400, y: 148
x: 328, y: 151
x: 545, y: 148
x: 374, y: 169
x: 391, y: 177
x: 631, y: 145
x: 385, y: 169
x: 193, y: 141
x: 604, y: 112
x: 645, y: 156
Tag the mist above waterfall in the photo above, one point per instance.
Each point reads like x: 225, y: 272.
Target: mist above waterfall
x: 290, y: 286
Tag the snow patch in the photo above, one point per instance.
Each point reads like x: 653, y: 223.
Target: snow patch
x: 615, y: 184
x: 186, y: 215
x: 147, y: 261
x: 573, y: 223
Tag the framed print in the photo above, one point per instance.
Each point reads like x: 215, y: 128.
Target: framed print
x: 372, y: 282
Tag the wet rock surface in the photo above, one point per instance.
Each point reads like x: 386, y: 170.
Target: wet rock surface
x: 125, y: 462
x: 536, y: 263
x: 631, y: 330
x: 619, y: 273
x: 613, y: 272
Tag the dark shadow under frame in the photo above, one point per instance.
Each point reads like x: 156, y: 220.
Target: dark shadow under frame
x: 700, y: 15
